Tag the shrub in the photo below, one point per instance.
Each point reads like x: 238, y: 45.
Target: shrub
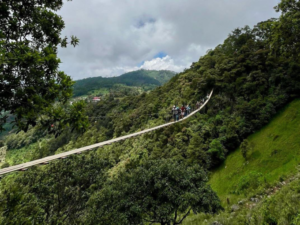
x: 4, y: 165
x: 251, y: 181
x: 245, y: 149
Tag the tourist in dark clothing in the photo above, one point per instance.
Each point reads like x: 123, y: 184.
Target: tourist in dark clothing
x: 174, y: 112
x: 177, y: 113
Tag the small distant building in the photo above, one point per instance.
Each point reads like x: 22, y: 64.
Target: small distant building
x: 96, y: 99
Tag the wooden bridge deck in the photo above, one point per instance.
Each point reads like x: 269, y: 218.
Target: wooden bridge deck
x: 63, y: 155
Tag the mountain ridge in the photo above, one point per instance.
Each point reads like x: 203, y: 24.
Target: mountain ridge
x: 139, y: 78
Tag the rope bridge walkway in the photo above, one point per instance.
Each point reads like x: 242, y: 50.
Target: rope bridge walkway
x: 46, y: 160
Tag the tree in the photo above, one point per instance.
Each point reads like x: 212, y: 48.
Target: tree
x: 162, y: 191
x: 245, y: 148
x: 286, y: 37
x: 286, y: 43
x: 30, y: 80
x: 217, y: 150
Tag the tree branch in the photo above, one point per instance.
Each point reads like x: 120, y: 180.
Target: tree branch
x: 183, y: 217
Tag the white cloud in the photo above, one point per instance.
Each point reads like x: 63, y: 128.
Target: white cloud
x: 117, y: 35
x: 165, y: 63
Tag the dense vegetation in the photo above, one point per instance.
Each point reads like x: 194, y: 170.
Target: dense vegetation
x: 148, y: 79
x: 274, y: 158
x: 31, y: 86
x: 254, y: 73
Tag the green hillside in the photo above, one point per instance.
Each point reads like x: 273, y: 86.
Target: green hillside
x: 274, y: 157
x: 147, y: 79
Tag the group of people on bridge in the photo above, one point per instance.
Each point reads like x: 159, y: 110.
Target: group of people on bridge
x: 179, y: 113
x: 185, y: 110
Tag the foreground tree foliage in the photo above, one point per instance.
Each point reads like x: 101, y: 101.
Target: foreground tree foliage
x: 79, y: 191
x: 58, y: 195
x: 30, y: 81
x: 162, y: 191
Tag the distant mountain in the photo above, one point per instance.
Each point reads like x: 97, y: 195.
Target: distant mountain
x: 139, y: 78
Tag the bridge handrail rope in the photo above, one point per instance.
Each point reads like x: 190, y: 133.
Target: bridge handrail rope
x: 63, y: 155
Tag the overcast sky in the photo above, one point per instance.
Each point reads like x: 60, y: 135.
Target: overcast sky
x: 118, y: 36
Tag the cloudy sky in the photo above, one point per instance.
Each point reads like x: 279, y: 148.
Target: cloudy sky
x: 118, y: 36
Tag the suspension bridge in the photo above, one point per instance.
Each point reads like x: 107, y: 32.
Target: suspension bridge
x: 46, y: 160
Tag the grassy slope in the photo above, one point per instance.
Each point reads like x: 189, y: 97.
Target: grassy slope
x: 281, y: 135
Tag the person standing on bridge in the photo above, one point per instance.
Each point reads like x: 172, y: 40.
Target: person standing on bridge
x: 197, y: 104
x: 182, y: 111
x: 177, y: 113
x: 188, y: 109
x: 174, y: 112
